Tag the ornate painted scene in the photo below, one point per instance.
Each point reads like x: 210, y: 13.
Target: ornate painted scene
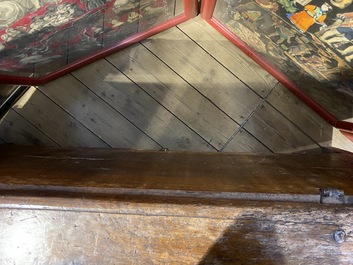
x: 310, y: 41
x: 40, y: 36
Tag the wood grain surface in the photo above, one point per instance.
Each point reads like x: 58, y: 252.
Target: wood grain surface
x: 244, y: 142
x: 215, y: 82
x: 16, y: 129
x: 72, y: 206
x: 155, y: 231
x: 66, y: 169
x: 127, y: 98
x: 244, y: 234
x: 301, y: 115
x: 277, y: 132
x: 170, y: 90
x: 87, y: 108
x: 50, y: 118
x: 230, y: 56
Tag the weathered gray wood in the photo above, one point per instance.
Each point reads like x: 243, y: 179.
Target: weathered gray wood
x: 244, y: 142
x: 277, y: 132
x: 54, y: 121
x: 96, y: 115
x: 229, y: 55
x: 301, y: 115
x: 5, y: 91
x: 17, y: 130
x: 199, y: 69
x: 139, y: 108
x: 165, y: 86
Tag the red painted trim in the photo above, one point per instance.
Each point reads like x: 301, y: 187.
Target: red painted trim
x: 345, y: 125
x: 280, y: 77
x: 18, y: 80
x: 191, y: 8
x: 191, y: 4
x: 207, y: 8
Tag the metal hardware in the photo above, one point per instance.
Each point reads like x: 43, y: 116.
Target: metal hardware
x: 332, y: 196
x: 339, y: 236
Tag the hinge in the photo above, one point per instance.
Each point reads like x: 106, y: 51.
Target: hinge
x: 332, y: 196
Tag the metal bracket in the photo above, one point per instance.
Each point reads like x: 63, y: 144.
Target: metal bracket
x: 332, y: 196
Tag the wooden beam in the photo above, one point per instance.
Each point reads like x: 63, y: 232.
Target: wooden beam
x: 175, y: 171
x: 88, y: 206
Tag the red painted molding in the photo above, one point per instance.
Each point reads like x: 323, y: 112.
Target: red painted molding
x: 207, y: 8
x: 191, y: 8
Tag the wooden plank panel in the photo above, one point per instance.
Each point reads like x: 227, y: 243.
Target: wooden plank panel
x: 244, y: 142
x: 276, y: 132
x: 119, y: 171
x: 229, y: 55
x: 141, y: 109
x: 340, y: 141
x: 200, y: 70
x: 54, y: 122
x: 17, y: 130
x: 301, y: 115
x: 96, y: 115
x: 252, y: 234
x: 175, y: 94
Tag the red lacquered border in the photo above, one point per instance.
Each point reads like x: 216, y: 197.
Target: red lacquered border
x: 329, y: 117
x: 190, y: 11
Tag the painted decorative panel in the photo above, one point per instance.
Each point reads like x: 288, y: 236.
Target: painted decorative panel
x: 38, y: 37
x: 309, y: 41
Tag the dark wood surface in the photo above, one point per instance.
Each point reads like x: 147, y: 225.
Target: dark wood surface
x: 176, y: 171
x: 163, y: 233
x: 87, y: 206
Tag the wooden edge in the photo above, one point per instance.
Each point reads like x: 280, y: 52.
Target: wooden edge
x: 315, y: 106
x: 348, y: 134
x: 144, y: 204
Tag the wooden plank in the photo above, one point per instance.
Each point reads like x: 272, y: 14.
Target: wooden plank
x: 17, y: 130
x: 206, y: 75
x: 230, y: 56
x: 244, y: 142
x: 88, y: 226
x: 245, y: 234
x: 55, y: 122
x: 277, y: 132
x: 177, y: 173
x: 86, y: 107
x: 301, y: 115
x: 175, y: 94
x: 138, y: 107
x: 340, y: 141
